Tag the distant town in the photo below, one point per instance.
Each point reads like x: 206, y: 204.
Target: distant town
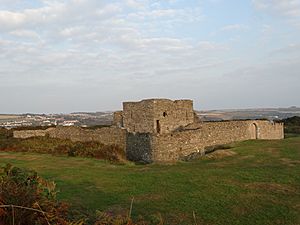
x: 72, y: 119
x: 87, y: 119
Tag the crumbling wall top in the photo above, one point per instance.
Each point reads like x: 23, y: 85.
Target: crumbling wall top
x: 157, y: 115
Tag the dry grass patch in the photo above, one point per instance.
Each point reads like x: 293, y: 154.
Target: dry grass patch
x: 219, y: 154
x: 7, y: 156
x: 272, y: 151
x: 6, y: 117
x: 247, y: 157
x: 147, y: 197
x: 290, y: 162
x: 273, y: 187
x: 240, y: 210
x: 4, y: 155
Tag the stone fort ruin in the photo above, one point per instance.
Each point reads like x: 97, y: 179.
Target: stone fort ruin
x: 155, y: 130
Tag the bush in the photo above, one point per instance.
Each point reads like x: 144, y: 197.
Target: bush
x: 27, y: 199
x: 33, y: 199
x: 5, y: 133
x: 61, y: 147
x: 292, y: 125
x: 97, y: 150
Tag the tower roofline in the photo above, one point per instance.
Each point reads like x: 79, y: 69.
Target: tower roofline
x: 158, y: 100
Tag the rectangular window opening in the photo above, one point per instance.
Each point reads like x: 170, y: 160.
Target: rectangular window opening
x: 157, y: 126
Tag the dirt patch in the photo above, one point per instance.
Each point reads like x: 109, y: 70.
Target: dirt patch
x: 240, y: 210
x: 273, y: 187
x: 7, y: 157
x: 147, y: 197
x: 31, y: 158
x: 247, y: 157
x: 272, y: 151
x: 142, y: 169
x: 219, y: 154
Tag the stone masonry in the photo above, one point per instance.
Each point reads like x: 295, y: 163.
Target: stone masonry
x: 154, y: 130
x: 157, y: 115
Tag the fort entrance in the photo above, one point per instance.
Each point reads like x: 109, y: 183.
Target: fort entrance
x: 254, y: 131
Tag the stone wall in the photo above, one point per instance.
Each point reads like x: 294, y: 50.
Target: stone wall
x: 157, y: 115
x: 196, y: 137
x: 269, y: 130
x: 138, y: 147
x: 172, y: 115
x: 148, y: 147
x: 118, y: 119
x: 138, y: 116
x: 30, y: 133
x: 105, y: 135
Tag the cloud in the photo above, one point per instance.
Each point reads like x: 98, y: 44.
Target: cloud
x: 11, y: 19
x: 233, y: 27
x: 289, y: 9
x: 183, y: 15
x: 25, y: 34
x: 93, y: 49
x: 286, y: 7
x: 290, y: 50
x: 264, y: 84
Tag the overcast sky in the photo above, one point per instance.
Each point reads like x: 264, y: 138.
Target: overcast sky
x: 90, y: 55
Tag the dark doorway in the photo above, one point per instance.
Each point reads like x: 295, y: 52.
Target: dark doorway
x: 157, y: 126
x: 254, y: 131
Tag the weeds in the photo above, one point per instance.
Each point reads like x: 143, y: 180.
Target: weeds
x: 57, y: 146
x: 26, y: 198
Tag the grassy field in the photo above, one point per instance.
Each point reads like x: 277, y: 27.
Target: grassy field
x: 260, y: 184
x: 5, y: 117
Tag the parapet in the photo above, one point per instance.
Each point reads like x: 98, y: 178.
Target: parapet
x: 118, y: 119
x: 157, y: 116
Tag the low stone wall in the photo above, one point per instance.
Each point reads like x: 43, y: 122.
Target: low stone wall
x: 105, y: 135
x: 148, y: 147
x: 269, y: 130
x: 198, y: 136
x: 30, y: 133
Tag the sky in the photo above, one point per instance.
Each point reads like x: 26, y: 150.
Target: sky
x: 91, y: 55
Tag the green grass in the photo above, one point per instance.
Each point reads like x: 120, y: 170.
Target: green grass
x: 258, y: 185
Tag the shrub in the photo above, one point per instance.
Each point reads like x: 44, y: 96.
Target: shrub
x: 61, y: 147
x: 292, y: 125
x: 5, y: 133
x: 6, y: 138
x: 97, y: 150
x: 26, y: 198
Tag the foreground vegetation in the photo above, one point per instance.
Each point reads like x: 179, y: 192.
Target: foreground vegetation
x: 26, y: 198
x: 257, y: 183
x: 57, y: 146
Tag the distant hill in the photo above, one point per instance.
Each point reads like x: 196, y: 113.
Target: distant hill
x: 237, y: 114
